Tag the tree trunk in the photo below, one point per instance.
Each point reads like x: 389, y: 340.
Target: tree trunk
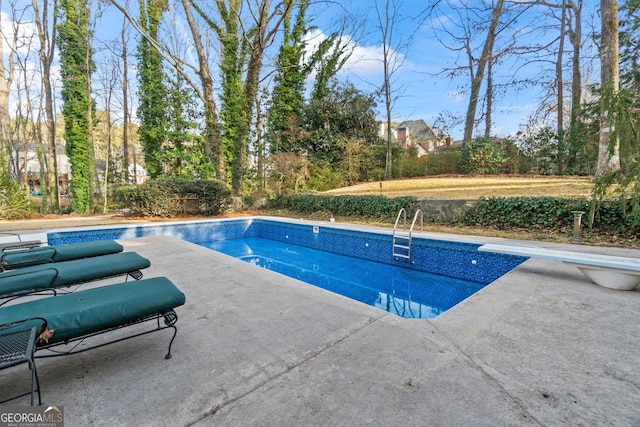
x: 125, y: 104
x: 609, y: 146
x: 488, y: 115
x: 560, y: 90
x: 6, y: 77
x: 476, y: 82
x: 386, y: 23
x: 575, y: 37
x: 559, y: 69
x: 5, y: 130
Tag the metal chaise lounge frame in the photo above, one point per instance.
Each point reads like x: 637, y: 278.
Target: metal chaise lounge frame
x: 19, y: 243
x: 75, y: 317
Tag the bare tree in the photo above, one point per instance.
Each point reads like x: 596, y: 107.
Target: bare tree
x: 458, y: 28
x: 47, y: 35
x: 570, y: 27
x: 388, y: 17
x: 107, y: 80
x: 575, y: 37
x: 126, y: 157
x: 478, y: 76
x: 7, y: 70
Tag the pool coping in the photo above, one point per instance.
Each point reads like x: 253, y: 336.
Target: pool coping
x: 539, y: 346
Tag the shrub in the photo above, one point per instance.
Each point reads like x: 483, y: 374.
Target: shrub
x: 482, y: 156
x: 168, y: 197
x: 444, y: 162
x: 521, y: 212
x: 380, y: 207
x: 548, y: 213
x: 14, y: 203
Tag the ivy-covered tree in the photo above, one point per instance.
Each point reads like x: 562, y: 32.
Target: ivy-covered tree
x: 232, y: 111
x: 244, y: 30
x: 287, y: 98
x: 294, y: 65
x: 183, y: 152
x: 76, y: 66
x: 152, y: 92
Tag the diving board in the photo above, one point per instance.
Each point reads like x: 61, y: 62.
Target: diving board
x: 609, y: 271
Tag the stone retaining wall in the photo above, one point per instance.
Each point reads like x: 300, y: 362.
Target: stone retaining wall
x: 444, y: 209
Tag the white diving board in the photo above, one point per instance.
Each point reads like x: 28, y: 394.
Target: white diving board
x: 605, y: 270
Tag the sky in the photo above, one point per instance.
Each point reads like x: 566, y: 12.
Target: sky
x: 423, y: 90
x: 419, y: 87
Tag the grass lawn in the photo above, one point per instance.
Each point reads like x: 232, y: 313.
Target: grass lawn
x: 473, y: 187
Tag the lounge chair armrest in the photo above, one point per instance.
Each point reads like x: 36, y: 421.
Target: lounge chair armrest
x: 8, y: 233
x: 27, y: 244
x: 27, y: 293
x: 21, y: 324
x: 16, y: 281
x: 19, y: 243
x: 33, y: 255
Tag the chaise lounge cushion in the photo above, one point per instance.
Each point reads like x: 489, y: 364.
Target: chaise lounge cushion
x: 20, y: 281
x: 59, y: 253
x: 94, y: 310
x: 72, y: 272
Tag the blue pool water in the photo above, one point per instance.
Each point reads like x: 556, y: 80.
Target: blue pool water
x: 441, y: 272
x: 404, y: 292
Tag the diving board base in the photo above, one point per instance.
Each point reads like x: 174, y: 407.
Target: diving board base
x: 612, y: 278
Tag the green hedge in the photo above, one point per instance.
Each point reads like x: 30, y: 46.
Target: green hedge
x: 351, y: 206
x: 548, y: 213
x: 168, y: 197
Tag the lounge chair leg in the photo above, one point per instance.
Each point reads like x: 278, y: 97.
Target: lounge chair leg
x: 175, y: 332
x: 34, y: 379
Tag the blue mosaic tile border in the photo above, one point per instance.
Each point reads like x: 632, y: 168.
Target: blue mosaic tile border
x: 453, y: 259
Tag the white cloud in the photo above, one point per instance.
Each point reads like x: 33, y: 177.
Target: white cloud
x: 365, y: 61
x: 27, y: 39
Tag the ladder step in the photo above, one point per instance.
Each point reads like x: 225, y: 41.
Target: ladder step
x: 402, y: 239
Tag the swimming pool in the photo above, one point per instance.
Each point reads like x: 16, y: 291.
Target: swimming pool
x: 399, y: 286
x: 404, y: 292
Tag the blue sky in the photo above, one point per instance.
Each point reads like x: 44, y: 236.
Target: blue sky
x: 422, y: 92
x: 419, y: 91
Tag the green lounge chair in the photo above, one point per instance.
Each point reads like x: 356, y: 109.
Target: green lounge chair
x: 74, y: 317
x: 17, y: 256
x: 61, y: 274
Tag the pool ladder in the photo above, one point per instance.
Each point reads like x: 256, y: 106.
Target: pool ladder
x: 402, y: 238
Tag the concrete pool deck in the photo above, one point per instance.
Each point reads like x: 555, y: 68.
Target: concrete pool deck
x: 541, y: 346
